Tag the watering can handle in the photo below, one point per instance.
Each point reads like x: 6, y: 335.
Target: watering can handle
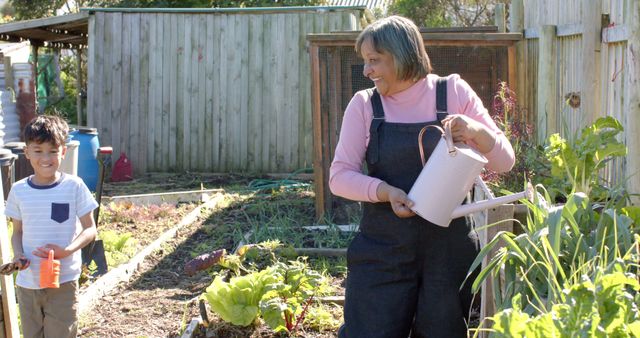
x: 447, y: 137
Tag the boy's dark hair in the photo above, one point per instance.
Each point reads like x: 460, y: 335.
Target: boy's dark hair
x: 46, y: 128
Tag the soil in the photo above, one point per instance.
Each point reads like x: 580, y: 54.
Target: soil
x: 160, y: 299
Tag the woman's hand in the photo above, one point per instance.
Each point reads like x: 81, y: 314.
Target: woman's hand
x: 400, y: 202
x: 464, y: 129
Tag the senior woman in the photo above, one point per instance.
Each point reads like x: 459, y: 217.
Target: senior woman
x: 405, y: 273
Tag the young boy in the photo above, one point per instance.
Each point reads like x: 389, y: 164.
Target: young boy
x: 50, y: 210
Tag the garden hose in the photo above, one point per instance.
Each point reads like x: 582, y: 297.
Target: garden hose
x: 285, y: 183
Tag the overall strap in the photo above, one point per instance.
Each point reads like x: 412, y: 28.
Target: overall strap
x: 378, y: 118
x: 441, y: 99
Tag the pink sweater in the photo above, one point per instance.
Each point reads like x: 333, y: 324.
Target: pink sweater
x: 416, y: 104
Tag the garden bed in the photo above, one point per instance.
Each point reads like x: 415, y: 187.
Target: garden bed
x: 160, y: 300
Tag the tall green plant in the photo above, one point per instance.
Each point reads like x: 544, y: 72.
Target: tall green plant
x: 604, y: 307
x: 560, y: 246
x: 575, y: 165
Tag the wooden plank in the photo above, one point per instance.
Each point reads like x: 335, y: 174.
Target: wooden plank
x: 173, y: 92
x: 126, y: 143
x: 318, y: 173
x: 223, y: 68
x: 186, y: 93
x: 115, y: 50
x: 306, y: 121
x: 632, y: 103
x: 153, y: 91
x: 590, y: 100
x: 135, y: 132
x: 546, y: 83
x: 292, y: 83
x: 209, y: 88
x: 145, y: 28
x: 92, y: 57
x: 494, y: 215
x: 181, y: 66
x: 103, y: 115
x: 9, y: 308
x: 158, y: 80
x: 233, y: 96
x: 242, y: 39
x: 217, y: 85
x: 173, y: 197
x: 256, y: 78
x: 167, y: 82
x: 280, y: 100
x: 268, y: 127
x: 202, y: 93
x: 194, y: 93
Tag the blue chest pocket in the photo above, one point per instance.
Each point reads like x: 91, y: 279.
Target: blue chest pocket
x: 59, y: 212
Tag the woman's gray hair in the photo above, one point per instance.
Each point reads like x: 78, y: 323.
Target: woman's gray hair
x: 401, y: 38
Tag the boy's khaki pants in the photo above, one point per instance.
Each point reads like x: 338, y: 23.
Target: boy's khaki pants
x: 49, y: 312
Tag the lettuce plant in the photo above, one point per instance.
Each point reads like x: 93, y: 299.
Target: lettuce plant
x: 279, y: 294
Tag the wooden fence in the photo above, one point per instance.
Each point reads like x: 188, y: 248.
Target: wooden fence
x: 580, y: 61
x: 207, y: 90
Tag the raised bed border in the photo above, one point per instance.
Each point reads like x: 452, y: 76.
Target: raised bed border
x: 122, y: 273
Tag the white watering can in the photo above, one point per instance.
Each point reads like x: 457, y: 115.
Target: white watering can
x: 446, y: 179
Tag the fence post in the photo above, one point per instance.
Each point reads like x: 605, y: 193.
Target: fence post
x: 633, y: 102
x: 8, y: 308
x: 546, y: 83
x: 516, y: 25
x: 591, y: 43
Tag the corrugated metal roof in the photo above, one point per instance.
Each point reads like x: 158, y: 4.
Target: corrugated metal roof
x: 370, y: 4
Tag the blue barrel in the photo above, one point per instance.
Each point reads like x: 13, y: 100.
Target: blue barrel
x: 87, y: 155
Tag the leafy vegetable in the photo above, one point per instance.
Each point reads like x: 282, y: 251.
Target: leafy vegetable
x: 237, y: 301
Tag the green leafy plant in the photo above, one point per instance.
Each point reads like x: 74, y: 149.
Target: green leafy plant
x: 604, y: 307
x: 575, y: 165
x: 119, y: 248
x: 559, y: 246
x: 281, y: 295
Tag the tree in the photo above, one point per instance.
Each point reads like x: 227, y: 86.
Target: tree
x: 446, y: 13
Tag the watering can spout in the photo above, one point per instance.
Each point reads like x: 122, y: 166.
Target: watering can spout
x: 467, y: 209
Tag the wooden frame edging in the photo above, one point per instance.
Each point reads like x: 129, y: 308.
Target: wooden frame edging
x: 106, y: 283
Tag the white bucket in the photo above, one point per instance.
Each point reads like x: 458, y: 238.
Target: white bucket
x: 69, y: 164
x: 445, y: 179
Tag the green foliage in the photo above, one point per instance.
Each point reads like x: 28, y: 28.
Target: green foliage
x: 606, y: 307
x: 323, y: 318
x: 424, y: 13
x: 237, y: 301
x: 280, y: 294
x: 575, y: 165
x: 33, y: 9
x: 559, y: 246
x: 119, y: 248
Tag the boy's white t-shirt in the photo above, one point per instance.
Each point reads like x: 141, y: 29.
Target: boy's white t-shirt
x: 49, y: 214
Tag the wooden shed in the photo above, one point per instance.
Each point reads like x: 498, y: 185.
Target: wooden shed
x: 482, y: 56
x: 213, y: 90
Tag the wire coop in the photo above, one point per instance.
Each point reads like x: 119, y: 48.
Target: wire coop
x: 482, y: 58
